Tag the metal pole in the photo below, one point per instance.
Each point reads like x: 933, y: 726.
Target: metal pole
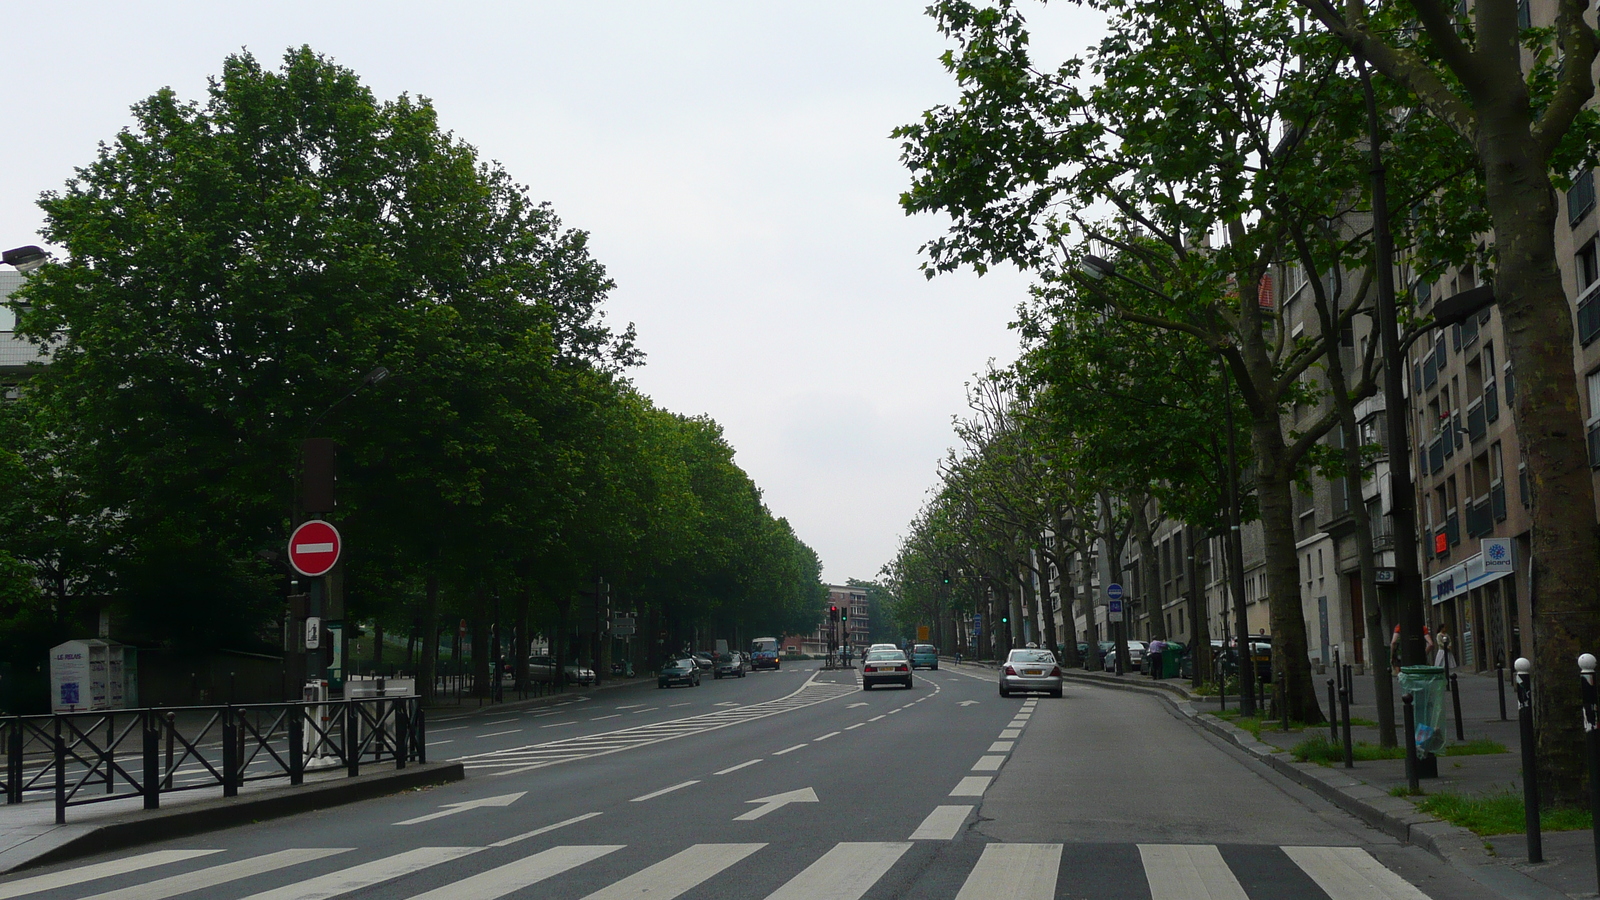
x: 152, y: 759
x: 1500, y: 679
x: 1333, y: 711
x: 1455, y: 701
x: 1591, y: 736
x: 1530, y: 763
x: 1407, y: 706
x: 1344, y: 716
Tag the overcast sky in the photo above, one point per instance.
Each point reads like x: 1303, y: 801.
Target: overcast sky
x: 731, y: 161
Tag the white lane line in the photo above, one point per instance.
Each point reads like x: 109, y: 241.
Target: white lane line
x: 1017, y: 723
x: 667, y: 790
x: 677, y: 874
x: 846, y: 872
x: 1011, y: 733
x: 500, y: 733
x: 217, y: 875
x: 557, y: 724
x: 451, y: 728
x: 855, y: 726
x: 553, y: 712
x: 874, y: 718
x: 499, y: 722
x: 1016, y: 872
x: 646, y: 709
x: 1001, y: 746
x: 1348, y: 872
x: 893, y: 711
x: 789, y: 749
x: 988, y: 764
x: 345, y: 881
x: 629, y: 706
x: 942, y: 824
x: 676, y: 705
x: 972, y: 786
x: 612, y: 716
x: 515, y: 876
x: 736, y: 768
x: 79, y: 875
x: 545, y: 830
x: 434, y: 743
x: 1190, y: 870
x: 824, y: 737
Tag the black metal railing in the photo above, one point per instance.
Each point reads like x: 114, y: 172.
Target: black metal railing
x: 146, y: 753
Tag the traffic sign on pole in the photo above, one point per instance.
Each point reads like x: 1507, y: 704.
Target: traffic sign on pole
x: 314, y: 548
x: 1114, y: 611
x: 1114, y: 591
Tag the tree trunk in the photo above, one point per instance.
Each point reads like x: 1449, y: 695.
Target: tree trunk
x: 1199, y: 618
x: 1091, y: 626
x: 1154, y: 597
x: 1537, y: 319
x: 430, y: 638
x: 1274, y: 486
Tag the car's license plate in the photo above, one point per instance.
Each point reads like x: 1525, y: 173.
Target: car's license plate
x: 1033, y: 671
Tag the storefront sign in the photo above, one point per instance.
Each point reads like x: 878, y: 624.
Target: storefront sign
x: 1497, y: 555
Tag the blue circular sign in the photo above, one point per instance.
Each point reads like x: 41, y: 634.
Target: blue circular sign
x: 1114, y: 591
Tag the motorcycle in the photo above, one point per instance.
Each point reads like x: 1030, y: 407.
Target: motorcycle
x: 624, y: 669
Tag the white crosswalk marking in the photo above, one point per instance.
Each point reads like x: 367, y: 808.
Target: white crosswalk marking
x: 212, y: 876
x: 942, y: 824
x: 69, y: 877
x: 365, y: 875
x: 1014, y: 871
x: 846, y: 872
x: 1189, y: 870
x: 515, y: 876
x: 677, y: 873
x: 1347, y: 873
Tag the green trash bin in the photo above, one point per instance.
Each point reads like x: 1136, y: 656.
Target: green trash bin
x: 1172, y: 660
x: 1426, y: 685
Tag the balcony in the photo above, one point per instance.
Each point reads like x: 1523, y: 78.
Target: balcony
x: 1382, y: 532
x: 1491, y: 401
x: 1430, y: 372
x: 1452, y: 528
x: 1449, y: 438
x: 1594, y: 446
x: 1497, y: 495
x: 1589, y: 318
x: 1436, y: 455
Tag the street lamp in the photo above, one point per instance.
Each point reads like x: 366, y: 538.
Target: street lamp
x: 25, y: 259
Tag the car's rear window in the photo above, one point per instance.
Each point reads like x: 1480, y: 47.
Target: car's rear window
x: 885, y: 656
x: 926, y: 648
x: 1032, y: 656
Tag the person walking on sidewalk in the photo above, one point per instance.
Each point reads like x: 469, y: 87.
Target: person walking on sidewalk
x: 1444, y: 655
x: 1155, y: 650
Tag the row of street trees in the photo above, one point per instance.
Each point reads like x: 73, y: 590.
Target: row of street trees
x: 231, y: 269
x: 1203, y: 147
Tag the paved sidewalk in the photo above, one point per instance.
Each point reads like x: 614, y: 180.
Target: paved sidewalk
x: 1499, y: 862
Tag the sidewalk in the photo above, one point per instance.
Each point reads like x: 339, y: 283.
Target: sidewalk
x: 1498, y: 862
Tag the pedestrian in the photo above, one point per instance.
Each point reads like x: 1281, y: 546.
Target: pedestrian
x: 1155, y: 650
x: 1443, y: 656
x: 1394, y: 646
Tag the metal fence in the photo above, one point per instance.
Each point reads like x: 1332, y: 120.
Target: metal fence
x: 96, y: 757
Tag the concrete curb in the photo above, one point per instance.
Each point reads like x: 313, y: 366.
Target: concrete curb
x: 1394, y: 816
x: 134, y: 828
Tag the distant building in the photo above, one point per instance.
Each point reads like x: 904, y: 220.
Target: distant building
x: 15, y: 353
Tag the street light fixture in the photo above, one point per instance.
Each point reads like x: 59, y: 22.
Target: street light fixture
x: 25, y: 259
x: 1458, y: 308
x: 1095, y: 267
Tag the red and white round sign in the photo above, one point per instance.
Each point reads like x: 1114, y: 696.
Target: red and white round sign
x: 314, y: 548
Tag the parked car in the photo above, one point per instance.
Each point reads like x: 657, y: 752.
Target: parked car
x: 884, y: 666
x: 730, y: 664
x: 1135, y: 656
x: 578, y: 673
x: 542, y: 669
x: 679, y: 671
x: 1030, y: 670
x: 925, y: 655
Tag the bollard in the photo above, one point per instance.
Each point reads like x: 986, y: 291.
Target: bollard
x: 230, y: 755
x: 172, y: 729
x: 108, y: 756
x: 1591, y: 738
x: 14, y: 763
x: 61, y: 775
x: 1280, y: 696
x: 1333, y: 713
x: 1344, y: 716
x: 1222, y: 691
x: 1530, y: 764
x: 1455, y: 702
x: 1412, y: 775
x: 297, y: 745
x: 1500, y: 679
x: 152, y: 760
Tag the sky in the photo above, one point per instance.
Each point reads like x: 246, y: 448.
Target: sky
x: 731, y: 162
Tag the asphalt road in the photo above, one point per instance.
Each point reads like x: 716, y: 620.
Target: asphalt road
x: 798, y: 785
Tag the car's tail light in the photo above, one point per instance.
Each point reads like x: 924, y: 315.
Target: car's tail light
x: 901, y: 669
x: 869, y: 669
x: 1010, y: 670
x: 1055, y: 672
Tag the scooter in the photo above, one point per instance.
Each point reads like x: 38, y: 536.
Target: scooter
x: 624, y: 668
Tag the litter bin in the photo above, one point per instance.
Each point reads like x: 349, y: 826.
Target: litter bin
x: 1425, y: 684
x: 1172, y: 660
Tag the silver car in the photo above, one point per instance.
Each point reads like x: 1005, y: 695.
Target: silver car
x: 1030, y: 670
x: 885, y: 667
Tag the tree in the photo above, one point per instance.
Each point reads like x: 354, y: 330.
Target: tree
x: 1516, y: 100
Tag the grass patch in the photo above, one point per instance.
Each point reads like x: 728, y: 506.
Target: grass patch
x: 1479, y: 747
x: 1401, y: 790
x: 1362, y: 723
x: 1500, y: 813
x: 1324, y: 752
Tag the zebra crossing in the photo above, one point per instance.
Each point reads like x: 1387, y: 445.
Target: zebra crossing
x: 846, y: 871
x: 513, y: 760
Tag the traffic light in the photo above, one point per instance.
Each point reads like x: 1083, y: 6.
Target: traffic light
x: 833, y: 613
x: 844, y: 614
x: 1004, y: 620
x: 947, y: 578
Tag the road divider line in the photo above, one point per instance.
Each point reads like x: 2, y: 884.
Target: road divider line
x: 612, y: 716
x: 1001, y: 746
x: 988, y: 764
x: 557, y: 724
x: 737, y: 768
x: 451, y: 728
x: 972, y: 786
x: 666, y: 790
x: 875, y: 718
x: 545, y: 830
x: 855, y: 726
x: 1011, y: 733
x: 824, y: 737
x: 500, y: 722
x: 500, y: 733
x: 789, y: 749
x: 942, y: 824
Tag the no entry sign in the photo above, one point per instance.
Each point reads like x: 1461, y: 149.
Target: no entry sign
x: 314, y: 548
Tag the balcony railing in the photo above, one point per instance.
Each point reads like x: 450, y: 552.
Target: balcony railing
x: 1382, y: 532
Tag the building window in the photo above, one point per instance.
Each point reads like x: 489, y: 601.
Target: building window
x: 1587, y: 265
x: 1580, y: 197
x: 1594, y: 418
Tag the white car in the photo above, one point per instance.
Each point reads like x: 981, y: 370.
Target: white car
x: 1135, y: 656
x: 1030, y: 670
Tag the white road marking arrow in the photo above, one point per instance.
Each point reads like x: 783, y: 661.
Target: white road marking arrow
x: 777, y: 801
x: 966, y: 703
x: 450, y: 809
x: 854, y: 705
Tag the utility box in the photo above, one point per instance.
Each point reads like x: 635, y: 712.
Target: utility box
x: 89, y: 675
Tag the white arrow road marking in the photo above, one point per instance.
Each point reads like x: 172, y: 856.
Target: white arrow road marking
x: 450, y: 809
x: 967, y: 703
x: 777, y: 801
